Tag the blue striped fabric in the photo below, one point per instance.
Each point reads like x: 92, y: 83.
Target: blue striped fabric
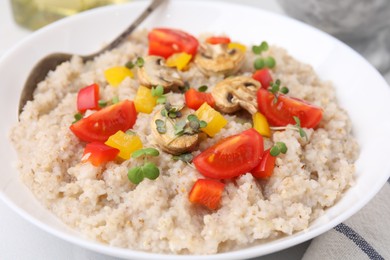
x: 359, y: 241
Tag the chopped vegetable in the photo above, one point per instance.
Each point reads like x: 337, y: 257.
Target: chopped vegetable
x: 286, y: 108
x: 126, y: 144
x: 88, y: 98
x: 165, y: 42
x: 207, y: 193
x: 266, y: 166
x: 232, y: 156
x: 215, y: 121
x: 115, y: 75
x: 105, y: 122
x: 98, y: 153
x: 179, y: 60
x: 238, y: 46
x: 194, y: 99
x: 264, y: 77
x: 144, y: 101
x: 218, y: 40
x: 260, y: 124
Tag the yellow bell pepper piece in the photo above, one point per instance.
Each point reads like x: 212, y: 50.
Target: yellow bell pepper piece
x: 179, y: 60
x: 126, y: 144
x: 144, y: 101
x: 260, y: 124
x: 215, y: 121
x: 116, y: 75
x: 236, y: 45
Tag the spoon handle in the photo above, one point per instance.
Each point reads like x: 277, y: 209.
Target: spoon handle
x: 152, y: 6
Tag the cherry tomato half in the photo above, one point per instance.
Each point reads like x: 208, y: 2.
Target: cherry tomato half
x: 264, y: 77
x: 266, y: 166
x: 88, y: 98
x: 98, y: 153
x: 283, y: 111
x: 232, y: 156
x: 194, y: 99
x: 165, y: 42
x: 102, y: 124
x: 218, y: 40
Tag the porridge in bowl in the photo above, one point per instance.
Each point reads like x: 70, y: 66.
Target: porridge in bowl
x: 177, y: 144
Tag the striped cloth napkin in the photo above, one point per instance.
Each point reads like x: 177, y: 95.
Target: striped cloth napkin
x: 366, y: 235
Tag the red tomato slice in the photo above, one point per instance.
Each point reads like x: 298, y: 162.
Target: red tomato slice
x: 207, y: 193
x: 88, y: 98
x: 282, y: 112
x: 232, y: 156
x: 106, y: 122
x: 266, y: 166
x: 98, y: 153
x: 264, y: 77
x: 194, y: 99
x: 218, y: 40
x: 165, y: 42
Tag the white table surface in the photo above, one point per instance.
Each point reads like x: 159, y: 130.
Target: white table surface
x: 20, y: 239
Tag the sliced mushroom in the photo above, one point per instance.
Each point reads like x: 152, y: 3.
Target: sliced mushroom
x: 155, y: 72
x: 234, y: 93
x: 168, y: 141
x: 213, y: 59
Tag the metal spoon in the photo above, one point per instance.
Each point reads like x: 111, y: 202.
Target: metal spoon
x: 51, y: 61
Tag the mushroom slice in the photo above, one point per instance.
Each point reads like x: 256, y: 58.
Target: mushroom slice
x: 234, y: 93
x: 214, y: 59
x: 155, y: 72
x: 168, y: 141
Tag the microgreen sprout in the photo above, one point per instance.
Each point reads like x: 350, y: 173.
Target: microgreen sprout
x: 258, y: 49
x: 279, y: 147
x: 190, y: 126
x: 268, y: 62
x: 115, y: 100
x: 161, y: 126
x: 202, y: 88
x: 77, y: 117
x: 130, y: 132
x: 158, y: 92
x: 145, y: 151
x: 297, y: 127
x: 301, y: 132
x: 185, y: 87
x: 171, y: 111
x: 102, y: 103
x: 139, y: 62
x: 129, y: 65
x: 148, y: 170
x: 185, y: 157
x: 275, y: 89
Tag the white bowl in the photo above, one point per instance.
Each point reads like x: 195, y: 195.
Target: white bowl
x: 360, y: 90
